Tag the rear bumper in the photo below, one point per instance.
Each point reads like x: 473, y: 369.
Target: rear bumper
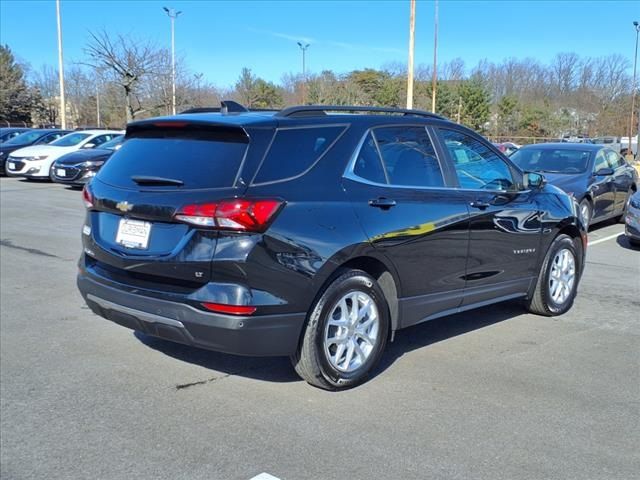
x: 263, y: 335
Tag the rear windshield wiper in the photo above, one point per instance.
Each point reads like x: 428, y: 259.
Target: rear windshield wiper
x: 144, y: 180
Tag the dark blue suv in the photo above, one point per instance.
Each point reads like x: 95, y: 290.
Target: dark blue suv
x: 317, y: 232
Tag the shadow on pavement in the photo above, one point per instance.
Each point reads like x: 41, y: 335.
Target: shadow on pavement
x: 279, y: 369
x: 624, y: 242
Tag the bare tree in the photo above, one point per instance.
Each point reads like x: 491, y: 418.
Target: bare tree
x: 129, y: 62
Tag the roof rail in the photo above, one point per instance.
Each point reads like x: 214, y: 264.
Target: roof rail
x: 315, y: 110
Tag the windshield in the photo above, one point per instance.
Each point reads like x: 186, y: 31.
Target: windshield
x: 112, y: 144
x: 70, y: 140
x: 24, y: 138
x: 550, y: 160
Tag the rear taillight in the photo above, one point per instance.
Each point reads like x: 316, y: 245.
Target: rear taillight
x: 87, y: 197
x: 240, y: 214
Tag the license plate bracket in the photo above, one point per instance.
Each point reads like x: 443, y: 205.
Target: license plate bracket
x: 133, y: 233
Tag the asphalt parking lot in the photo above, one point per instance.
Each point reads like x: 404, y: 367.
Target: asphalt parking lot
x: 490, y: 394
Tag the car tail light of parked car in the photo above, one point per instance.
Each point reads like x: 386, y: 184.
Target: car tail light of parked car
x: 237, y: 214
x: 87, y: 197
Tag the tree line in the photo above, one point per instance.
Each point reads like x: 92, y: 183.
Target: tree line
x: 121, y: 79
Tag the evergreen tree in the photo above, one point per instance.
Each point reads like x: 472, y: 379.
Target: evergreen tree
x: 16, y: 99
x: 475, y: 104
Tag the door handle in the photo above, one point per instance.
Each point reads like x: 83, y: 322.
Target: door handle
x: 383, y: 203
x: 480, y: 205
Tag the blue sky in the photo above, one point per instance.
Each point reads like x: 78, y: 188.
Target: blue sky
x: 218, y: 38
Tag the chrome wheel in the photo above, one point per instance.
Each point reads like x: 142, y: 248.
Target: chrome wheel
x: 562, y: 276
x: 585, y: 214
x: 351, y: 332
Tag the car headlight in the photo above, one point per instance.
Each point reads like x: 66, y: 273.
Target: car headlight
x: 41, y: 157
x: 93, y: 163
x: 1, y: 154
x: 634, y: 202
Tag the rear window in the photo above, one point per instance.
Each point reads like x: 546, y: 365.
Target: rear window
x: 294, y: 151
x: 198, y: 157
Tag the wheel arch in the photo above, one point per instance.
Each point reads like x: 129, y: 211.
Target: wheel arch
x: 380, y: 268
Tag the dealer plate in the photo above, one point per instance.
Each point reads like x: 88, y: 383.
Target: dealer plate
x: 133, y: 233
x: 61, y: 172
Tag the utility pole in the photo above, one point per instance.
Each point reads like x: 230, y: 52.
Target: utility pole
x: 97, y: 104
x: 63, y: 110
x: 412, y: 29
x: 633, y: 92
x: 173, y: 15
x: 304, y: 47
x: 434, y: 79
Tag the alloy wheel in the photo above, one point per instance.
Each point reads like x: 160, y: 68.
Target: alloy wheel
x: 562, y: 276
x: 351, y: 331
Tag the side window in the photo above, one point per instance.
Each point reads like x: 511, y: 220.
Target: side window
x: 49, y: 138
x: 614, y: 159
x: 476, y: 165
x: 100, y: 140
x: 600, y: 161
x: 368, y: 164
x: 408, y: 156
x: 294, y: 150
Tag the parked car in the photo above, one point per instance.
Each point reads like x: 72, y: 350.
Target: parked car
x: 576, y: 139
x: 79, y: 167
x: 318, y: 232
x: 7, y: 133
x: 36, y: 161
x: 632, y: 220
x: 507, y: 147
x: 30, y: 137
x: 597, y: 177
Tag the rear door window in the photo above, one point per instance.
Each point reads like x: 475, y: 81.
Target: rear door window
x: 198, y: 157
x: 408, y: 156
x: 295, y: 150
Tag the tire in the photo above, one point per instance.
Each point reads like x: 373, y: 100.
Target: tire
x: 586, y: 212
x: 318, y: 361
x: 620, y: 219
x: 547, y: 300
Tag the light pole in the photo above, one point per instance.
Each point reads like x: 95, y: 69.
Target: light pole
x: 63, y: 110
x: 304, y: 47
x: 412, y: 31
x: 173, y: 14
x: 634, y: 87
x: 434, y: 78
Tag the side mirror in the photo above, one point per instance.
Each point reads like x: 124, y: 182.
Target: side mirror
x: 88, y: 145
x: 533, y: 180
x: 603, y: 172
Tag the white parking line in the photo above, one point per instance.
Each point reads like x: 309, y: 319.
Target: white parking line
x: 264, y: 476
x: 600, y: 240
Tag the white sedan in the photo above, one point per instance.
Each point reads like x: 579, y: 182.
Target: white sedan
x: 36, y: 161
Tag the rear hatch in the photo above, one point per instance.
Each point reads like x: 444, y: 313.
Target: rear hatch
x: 161, y: 169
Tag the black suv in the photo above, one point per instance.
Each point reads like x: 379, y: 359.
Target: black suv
x: 317, y: 232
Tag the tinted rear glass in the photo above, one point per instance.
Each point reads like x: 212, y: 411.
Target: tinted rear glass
x: 199, y: 158
x: 295, y: 150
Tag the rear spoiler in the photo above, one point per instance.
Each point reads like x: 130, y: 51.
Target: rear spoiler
x: 172, y: 127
